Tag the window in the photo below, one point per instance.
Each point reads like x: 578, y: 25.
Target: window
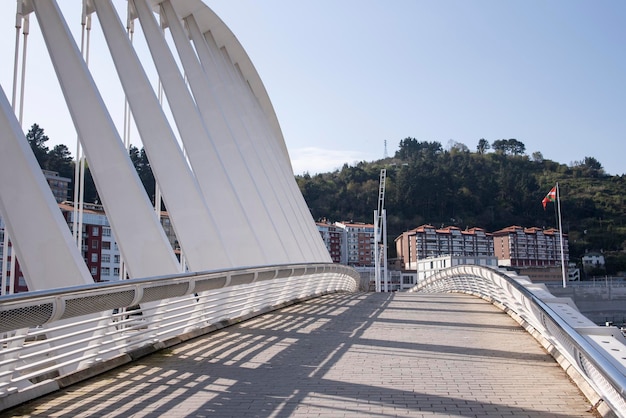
x: 105, y: 271
x: 116, y: 271
x: 106, y: 232
x: 94, y: 257
x: 116, y: 258
x: 95, y: 231
x: 106, y: 245
x: 106, y: 258
x: 94, y: 244
x: 94, y: 271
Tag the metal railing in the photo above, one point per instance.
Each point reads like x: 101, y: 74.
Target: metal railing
x: 597, y: 354
x: 50, y: 339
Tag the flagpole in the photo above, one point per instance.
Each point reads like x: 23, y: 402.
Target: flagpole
x: 558, y: 204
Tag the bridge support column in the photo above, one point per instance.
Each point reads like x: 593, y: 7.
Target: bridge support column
x: 196, y: 231
x: 212, y: 173
x: 33, y: 218
x: 142, y: 241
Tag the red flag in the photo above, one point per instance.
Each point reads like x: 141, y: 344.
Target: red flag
x: 550, y: 197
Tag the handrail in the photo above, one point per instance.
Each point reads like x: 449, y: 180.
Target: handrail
x: 581, y: 342
x: 50, y: 339
x: 49, y: 305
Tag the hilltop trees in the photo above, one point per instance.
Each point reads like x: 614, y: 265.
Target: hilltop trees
x: 427, y: 184
x: 58, y: 159
x: 483, y: 146
x: 491, y: 190
x: 37, y: 141
x: 590, y: 167
x: 144, y: 171
x: 508, y: 146
x: 411, y: 149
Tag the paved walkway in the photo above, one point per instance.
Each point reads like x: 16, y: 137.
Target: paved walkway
x: 358, y: 355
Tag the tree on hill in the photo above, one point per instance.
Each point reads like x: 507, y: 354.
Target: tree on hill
x: 455, y: 146
x: 139, y: 159
x: 483, y: 146
x: 37, y: 140
x: 60, y: 159
x: 589, y: 166
x: 508, y: 146
x: 412, y: 149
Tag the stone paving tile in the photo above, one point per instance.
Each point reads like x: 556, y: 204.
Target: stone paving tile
x: 342, y: 355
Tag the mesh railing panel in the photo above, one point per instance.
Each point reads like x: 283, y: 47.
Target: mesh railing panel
x: 96, y: 303
x: 202, y: 285
x: 265, y: 275
x: 243, y: 278
x: 283, y: 273
x: 154, y: 293
x: 24, y: 317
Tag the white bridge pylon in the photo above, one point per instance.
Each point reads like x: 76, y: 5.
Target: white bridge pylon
x: 217, y: 151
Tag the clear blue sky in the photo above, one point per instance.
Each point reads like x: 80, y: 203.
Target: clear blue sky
x: 344, y: 76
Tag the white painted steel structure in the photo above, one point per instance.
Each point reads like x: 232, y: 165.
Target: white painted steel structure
x: 229, y: 189
x: 594, y: 357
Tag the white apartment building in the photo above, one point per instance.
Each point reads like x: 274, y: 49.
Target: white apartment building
x: 402, y: 280
x: 593, y: 260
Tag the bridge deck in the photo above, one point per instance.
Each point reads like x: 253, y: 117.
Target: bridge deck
x: 340, y: 355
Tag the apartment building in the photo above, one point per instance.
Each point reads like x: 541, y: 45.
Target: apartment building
x: 359, y: 243
x: 60, y: 186
x: 349, y: 243
x: 99, y: 247
x: 427, y: 241
x: 332, y: 237
x: 526, y: 248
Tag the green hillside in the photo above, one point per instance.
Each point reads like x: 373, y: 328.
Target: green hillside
x: 493, y: 187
